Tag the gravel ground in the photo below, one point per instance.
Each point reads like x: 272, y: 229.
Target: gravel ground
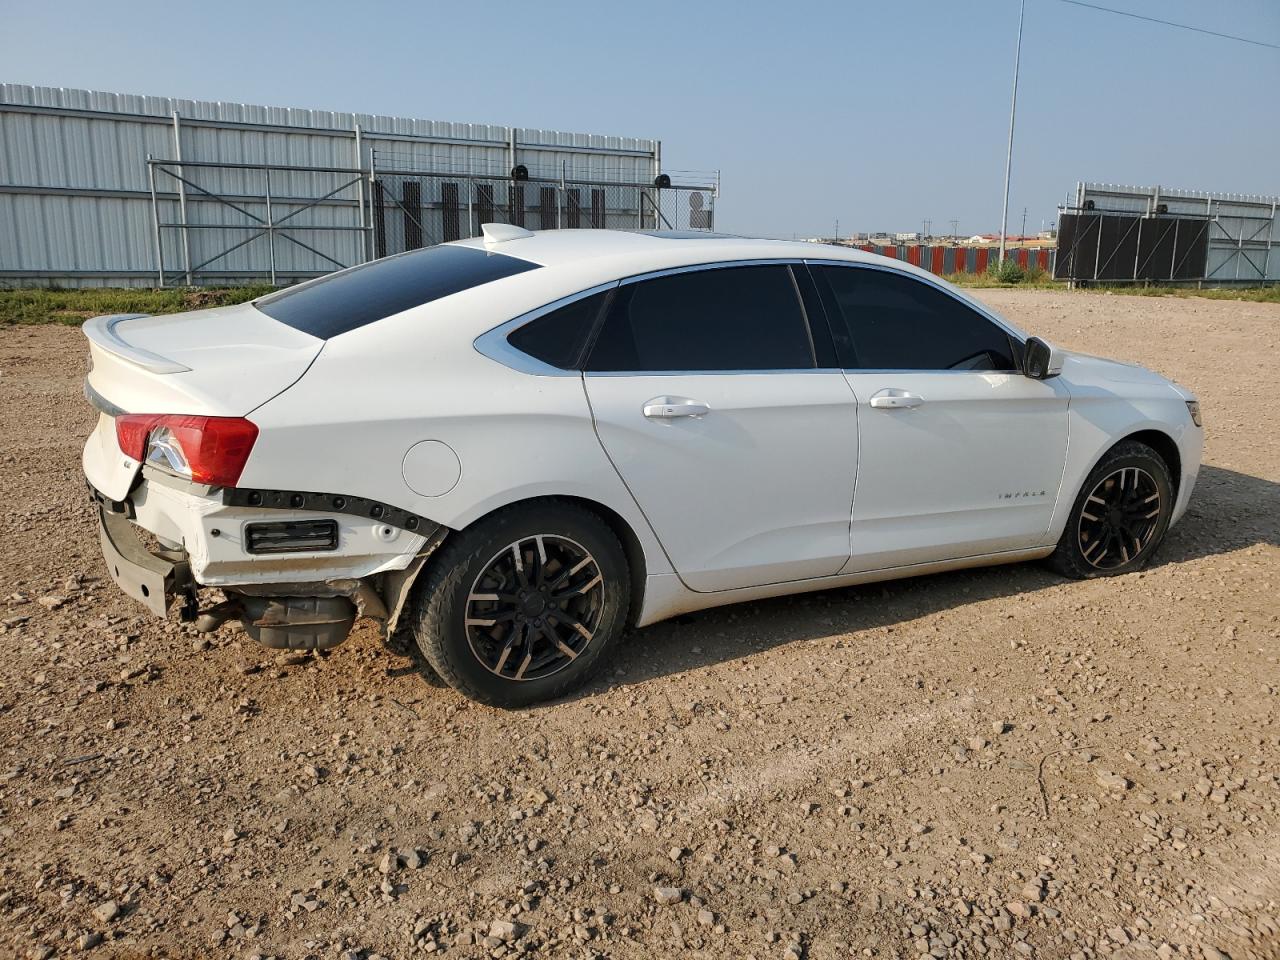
x: 994, y: 763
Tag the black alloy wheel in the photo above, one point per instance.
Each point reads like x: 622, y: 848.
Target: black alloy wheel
x: 525, y: 604
x: 535, y: 607
x: 1119, y: 518
x: 1120, y: 515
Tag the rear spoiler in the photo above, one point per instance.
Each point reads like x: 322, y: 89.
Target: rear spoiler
x: 101, y: 332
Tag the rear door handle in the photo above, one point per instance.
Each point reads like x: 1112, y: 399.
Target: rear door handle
x: 671, y: 408
x: 893, y: 399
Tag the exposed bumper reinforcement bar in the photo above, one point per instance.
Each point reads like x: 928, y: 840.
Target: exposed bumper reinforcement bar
x: 150, y: 579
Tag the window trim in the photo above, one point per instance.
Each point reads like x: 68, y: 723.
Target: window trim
x: 494, y: 344
x: 1016, y: 337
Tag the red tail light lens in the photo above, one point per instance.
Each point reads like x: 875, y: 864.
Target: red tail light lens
x: 209, y: 450
x: 131, y: 433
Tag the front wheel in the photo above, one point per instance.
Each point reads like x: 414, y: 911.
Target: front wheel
x: 1120, y: 516
x: 523, y: 605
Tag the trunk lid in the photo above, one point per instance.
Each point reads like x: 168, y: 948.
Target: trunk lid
x: 225, y: 361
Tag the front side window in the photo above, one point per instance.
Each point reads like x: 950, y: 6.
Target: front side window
x: 728, y: 318
x: 358, y: 296
x: 897, y: 322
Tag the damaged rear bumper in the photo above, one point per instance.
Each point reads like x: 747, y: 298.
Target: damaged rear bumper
x: 275, y: 606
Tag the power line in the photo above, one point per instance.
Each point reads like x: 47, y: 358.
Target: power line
x: 1170, y: 23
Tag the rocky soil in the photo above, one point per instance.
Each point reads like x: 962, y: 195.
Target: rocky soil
x: 994, y: 763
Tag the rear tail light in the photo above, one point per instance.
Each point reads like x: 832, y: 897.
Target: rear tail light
x: 209, y: 450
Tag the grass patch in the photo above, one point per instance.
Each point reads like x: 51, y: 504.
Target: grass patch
x: 1036, y: 279
x: 73, y: 307
x: 1029, y: 279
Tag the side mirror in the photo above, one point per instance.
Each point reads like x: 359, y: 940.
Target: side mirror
x: 1040, y: 360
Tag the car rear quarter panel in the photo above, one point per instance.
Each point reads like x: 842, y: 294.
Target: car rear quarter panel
x: 373, y: 394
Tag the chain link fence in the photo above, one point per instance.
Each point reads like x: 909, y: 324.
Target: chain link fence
x: 413, y: 209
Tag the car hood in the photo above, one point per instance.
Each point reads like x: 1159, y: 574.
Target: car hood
x: 1086, y: 369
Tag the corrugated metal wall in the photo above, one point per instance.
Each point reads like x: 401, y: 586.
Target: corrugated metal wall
x: 75, y: 200
x: 1243, y: 230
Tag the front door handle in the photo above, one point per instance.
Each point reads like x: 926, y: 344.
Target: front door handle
x: 671, y: 408
x: 892, y: 399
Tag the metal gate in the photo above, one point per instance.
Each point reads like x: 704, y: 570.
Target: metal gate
x: 211, y: 220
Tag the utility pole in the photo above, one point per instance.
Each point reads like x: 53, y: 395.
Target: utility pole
x: 1024, y: 222
x: 1013, y: 110
x: 837, y: 236
x: 955, y: 230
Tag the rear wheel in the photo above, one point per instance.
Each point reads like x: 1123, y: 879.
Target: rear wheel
x: 1120, y: 516
x: 523, y: 605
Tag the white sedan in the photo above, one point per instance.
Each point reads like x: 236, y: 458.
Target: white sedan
x: 522, y: 444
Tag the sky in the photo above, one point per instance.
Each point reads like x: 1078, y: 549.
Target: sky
x: 878, y: 115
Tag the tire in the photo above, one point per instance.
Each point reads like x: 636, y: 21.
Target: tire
x: 478, y: 606
x: 1124, y: 537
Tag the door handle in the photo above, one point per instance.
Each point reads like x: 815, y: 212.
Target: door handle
x: 892, y: 399
x: 671, y: 408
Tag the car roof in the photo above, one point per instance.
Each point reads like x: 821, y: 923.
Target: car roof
x: 579, y: 259
x: 658, y: 249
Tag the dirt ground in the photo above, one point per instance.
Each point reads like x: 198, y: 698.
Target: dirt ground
x: 993, y: 763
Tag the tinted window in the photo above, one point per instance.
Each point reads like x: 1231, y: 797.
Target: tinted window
x: 557, y: 337
x: 899, y: 323
x: 733, y: 318
x: 352, y: 298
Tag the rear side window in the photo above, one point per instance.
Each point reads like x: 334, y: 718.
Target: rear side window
x: 353, y: 298
x: 730, y: 318
x: 557, y: 337
x: 897, y: 322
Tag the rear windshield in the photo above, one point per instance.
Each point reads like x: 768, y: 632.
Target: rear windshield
x: 352, y: 298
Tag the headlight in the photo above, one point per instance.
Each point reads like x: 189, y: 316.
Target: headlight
x: 1193, y: 408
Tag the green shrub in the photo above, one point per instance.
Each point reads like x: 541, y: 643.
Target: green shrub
x: 1007, y: 272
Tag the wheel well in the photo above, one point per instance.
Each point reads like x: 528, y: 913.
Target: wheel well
x: 1165, y: 447
x: 630, y: 546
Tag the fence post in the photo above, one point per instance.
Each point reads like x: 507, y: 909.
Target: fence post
x: 362, y: 244
x: 182, y: 195
x: 271, y: 230
x: 371, y: 242
x: 155, y: 221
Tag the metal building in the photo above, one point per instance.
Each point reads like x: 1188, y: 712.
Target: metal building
x: 104, y: 189
x: 1116, y: 234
